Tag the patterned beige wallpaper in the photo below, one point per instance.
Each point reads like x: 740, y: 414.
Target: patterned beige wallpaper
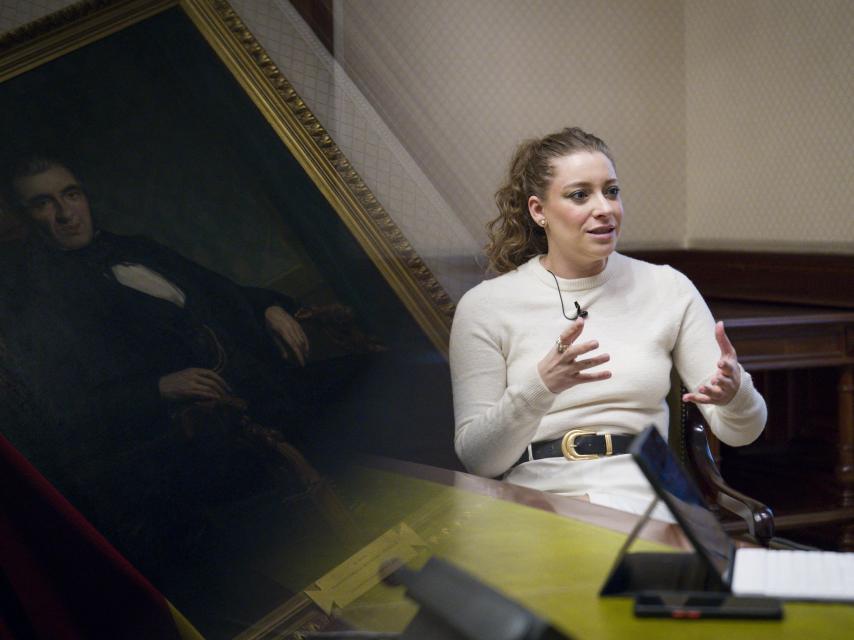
x: 426, y: 220
x: 770, y: 144
x: 461, y: 83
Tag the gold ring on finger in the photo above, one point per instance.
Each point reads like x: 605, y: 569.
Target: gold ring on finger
x: 561, y: 347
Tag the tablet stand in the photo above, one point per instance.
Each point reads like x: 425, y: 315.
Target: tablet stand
x: 457, y: 606
x: 650, y: 571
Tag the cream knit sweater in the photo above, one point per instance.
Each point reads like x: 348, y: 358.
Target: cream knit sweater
x: 646, y: 317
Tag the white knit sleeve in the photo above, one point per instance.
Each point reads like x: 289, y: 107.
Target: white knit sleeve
x: 696, y: 355
x: 494, y: 422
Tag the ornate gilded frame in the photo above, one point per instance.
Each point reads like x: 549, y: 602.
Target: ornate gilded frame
x: 287, y: 114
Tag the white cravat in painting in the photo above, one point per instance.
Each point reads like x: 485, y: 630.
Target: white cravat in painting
x: 141, y: 278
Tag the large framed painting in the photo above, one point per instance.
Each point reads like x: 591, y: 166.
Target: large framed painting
x: 203, y: 307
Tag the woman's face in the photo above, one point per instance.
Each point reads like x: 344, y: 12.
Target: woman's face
x: 583, y: 211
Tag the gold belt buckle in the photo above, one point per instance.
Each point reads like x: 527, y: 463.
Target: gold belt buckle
x: 567, y: 445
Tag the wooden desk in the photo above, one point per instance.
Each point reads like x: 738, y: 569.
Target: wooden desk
x: 552, y: 558
x: 771, y: 337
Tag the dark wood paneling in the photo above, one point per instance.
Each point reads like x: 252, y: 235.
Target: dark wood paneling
x: 807, y: 279
x: 791, y: 319
x: 318, y: 15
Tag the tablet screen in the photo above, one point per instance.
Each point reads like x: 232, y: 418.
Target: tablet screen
x: 678, y: 491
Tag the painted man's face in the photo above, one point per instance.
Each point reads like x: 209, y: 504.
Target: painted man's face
x: 57, y: 204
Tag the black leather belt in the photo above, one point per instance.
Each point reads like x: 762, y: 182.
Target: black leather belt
x: 580, y: 444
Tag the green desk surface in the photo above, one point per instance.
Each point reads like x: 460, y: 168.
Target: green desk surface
x: 551, y: 563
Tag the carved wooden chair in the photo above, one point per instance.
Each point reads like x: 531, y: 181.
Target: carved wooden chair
x: 688, y: 439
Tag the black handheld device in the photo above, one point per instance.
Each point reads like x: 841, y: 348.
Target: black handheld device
x: 696, y: 605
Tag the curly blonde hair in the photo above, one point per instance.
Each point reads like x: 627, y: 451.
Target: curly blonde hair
x: 514, y: 238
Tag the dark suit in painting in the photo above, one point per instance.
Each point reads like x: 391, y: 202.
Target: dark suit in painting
x: 92, y: 350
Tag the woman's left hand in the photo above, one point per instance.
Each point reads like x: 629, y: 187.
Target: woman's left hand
x: 727, y: 378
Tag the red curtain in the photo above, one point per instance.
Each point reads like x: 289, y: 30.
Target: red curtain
x: 60, y: 579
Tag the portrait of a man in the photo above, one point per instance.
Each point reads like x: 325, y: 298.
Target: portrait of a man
x: 148, y: 368
x: 181, y: 295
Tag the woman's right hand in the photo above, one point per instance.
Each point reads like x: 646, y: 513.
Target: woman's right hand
x: 560, y: 371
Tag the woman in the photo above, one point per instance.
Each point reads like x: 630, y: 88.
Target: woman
x: 525, y: 354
